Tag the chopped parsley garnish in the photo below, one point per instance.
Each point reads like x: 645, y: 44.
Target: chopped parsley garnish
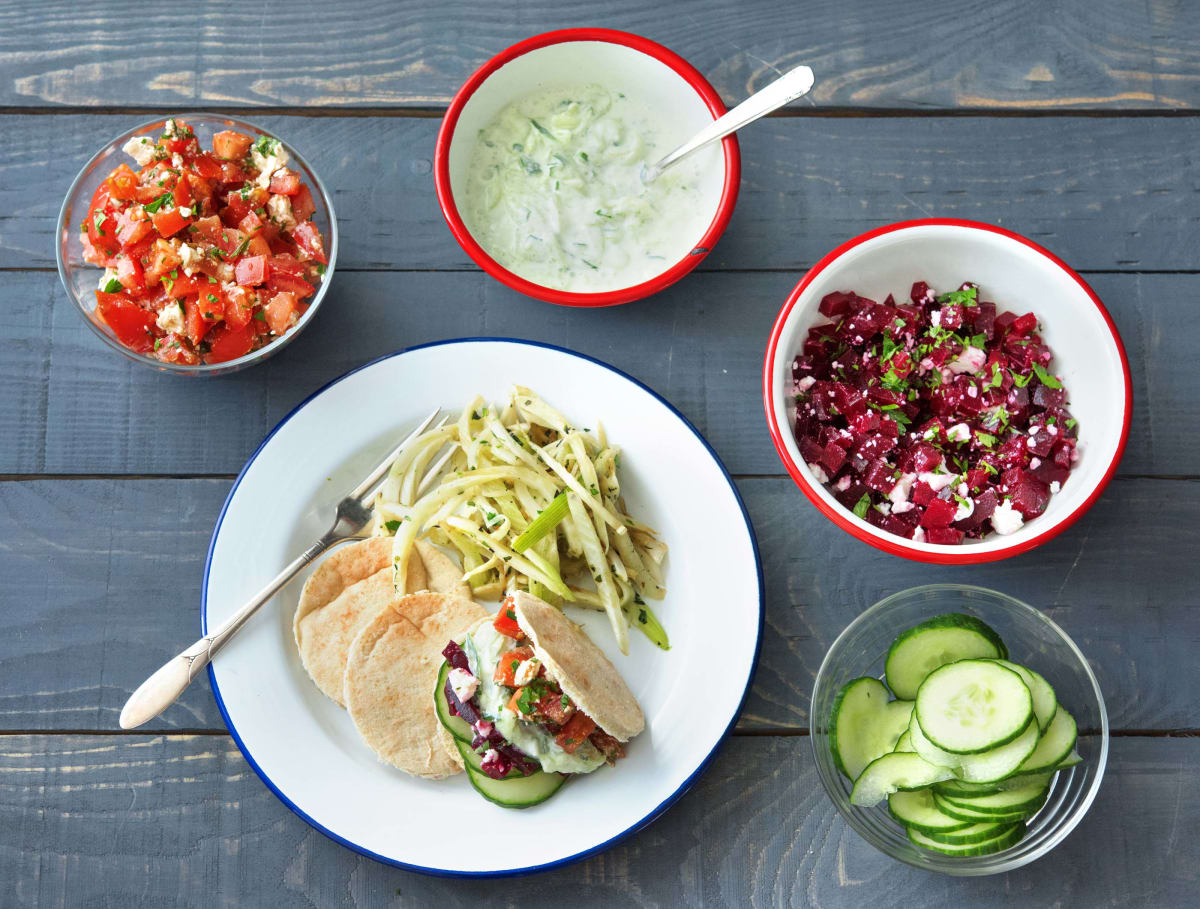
x: 241, y: 247
x: 158, y: 203
x: 113, y: 286
x: 260, y: 316
x: 541, y: 129
x: 392, y: 526
x: 860, y: 508
x: 1046, y: 379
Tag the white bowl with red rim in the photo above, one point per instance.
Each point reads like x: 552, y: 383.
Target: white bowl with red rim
x: 620, y: 61
x: 1020, y: 276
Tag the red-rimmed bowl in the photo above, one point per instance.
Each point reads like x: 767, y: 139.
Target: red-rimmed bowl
x: 661, y: 79
x: 1018, y: 275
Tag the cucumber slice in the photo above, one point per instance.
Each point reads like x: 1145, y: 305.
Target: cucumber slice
x: 455, y: 725
x: 1069, y: 761
x: 1055, y: 745
x: 514, y: 791
x: 1045, y: 702
x: 865, y: 724
x: 958, y: 788
x: 936, y: 642
x: 988, y: 767
x: 892, y: 773
x: 904, y: 743
x: 916, y: 809
x: 973, y: 706
x: 1027, y: 798
x: 963, y: 813
x: 965, y: 836
x: 1009, y: 836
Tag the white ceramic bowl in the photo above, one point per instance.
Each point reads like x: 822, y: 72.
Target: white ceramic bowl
x: 1018, y: 275
x: 662, y: 80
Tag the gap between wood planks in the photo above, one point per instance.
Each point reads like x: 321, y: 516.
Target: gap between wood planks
x: 230, y: 477
x: 762, y: 732
x: 436, y: 111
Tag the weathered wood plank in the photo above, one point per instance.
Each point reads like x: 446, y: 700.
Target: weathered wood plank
x: 1102, y: 193
x: 907, y: 55
x: 73, y: 406
x: 104, y: 581
x: 180, y: 820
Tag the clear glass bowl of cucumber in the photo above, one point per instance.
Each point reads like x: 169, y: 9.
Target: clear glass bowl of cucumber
x: 1010, y: 699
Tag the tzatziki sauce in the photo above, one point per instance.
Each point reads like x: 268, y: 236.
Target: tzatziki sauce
x: 556, y: 193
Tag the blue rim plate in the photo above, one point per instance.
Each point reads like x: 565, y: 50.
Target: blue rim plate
x: 304, y: 747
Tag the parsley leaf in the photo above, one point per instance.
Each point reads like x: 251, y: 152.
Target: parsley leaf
x: 392, y: 526
x: 1048, y: 380
x: 860, y: 508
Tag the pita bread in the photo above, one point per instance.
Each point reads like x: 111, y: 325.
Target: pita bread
x: 580, y: 667
x: 346, y: 591
x: 391, y: 672
x: 441, y: 573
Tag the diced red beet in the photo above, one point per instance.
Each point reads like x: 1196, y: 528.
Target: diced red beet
x: 922, y: 493
x: 985, y: 504
x: 1030, y: 497
x: 939, y: 513
x: 951, y: 317
x: 1025, y: 324
x: 944, y: 535
x: 880, y: 477
x: 920, y: 294
x: 923, y: 458
x: 1044, y: 396
x: 1049, y: 472
x: 833, y: 457
x: 836, y: 304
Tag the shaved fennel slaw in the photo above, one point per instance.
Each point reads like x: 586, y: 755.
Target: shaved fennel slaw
x: 527, y: 500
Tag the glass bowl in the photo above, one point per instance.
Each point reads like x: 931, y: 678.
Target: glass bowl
x: 1033, y: 640
x: 80, y: 277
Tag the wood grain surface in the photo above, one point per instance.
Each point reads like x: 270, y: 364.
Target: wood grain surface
x: 183, y: 821
x: 108, y: 574
x: 911, y: 55
x: 72, y: 406
x: 1101, y: 192
x: 1073, y: 122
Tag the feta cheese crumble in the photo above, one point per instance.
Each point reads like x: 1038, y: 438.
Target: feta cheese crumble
x: 171, y: 318
x: 1006, y: 519
x: 463, y: 683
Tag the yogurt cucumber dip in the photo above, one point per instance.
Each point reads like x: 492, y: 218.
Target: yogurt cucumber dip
x: 555, y: 192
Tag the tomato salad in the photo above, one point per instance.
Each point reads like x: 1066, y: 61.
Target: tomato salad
x: 208, y: 255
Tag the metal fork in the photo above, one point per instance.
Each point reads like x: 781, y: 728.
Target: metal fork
x: 165, y: 686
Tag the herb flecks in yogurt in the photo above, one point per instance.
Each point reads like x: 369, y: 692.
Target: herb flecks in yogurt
x: 556, y: 194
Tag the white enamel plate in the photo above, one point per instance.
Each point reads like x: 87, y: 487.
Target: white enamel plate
x: 304, y: 746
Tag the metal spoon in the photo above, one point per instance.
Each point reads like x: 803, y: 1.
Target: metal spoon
x: 788, y: 87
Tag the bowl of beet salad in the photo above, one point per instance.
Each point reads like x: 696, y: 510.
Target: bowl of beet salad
x: 947, y: 391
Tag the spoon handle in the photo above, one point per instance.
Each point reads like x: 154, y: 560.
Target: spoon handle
x: 788, y: 87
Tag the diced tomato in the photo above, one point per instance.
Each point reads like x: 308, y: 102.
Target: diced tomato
x: 226, y: 342
x: 101, y: 224
x: 233, y: 172
x: 250, y: 223
x: 133, y: 326
x: 181, y: 193
x: 251, y: 271
x: 209, y: 229
x: 280, y: 282
x: 231, y: 144
x: 129, y: 273
x: 163, y: 259
x: 201, y: 191
x: 302, y: 204
x: 129, y: 231
x: 279, y: 312
x: 236, y: 209
x: 575, y: 731
x: 286, y: 265
x: 308, y: 238
x: 239, y: 306
x: 200, y: 315
x: 123, y: 183
x: 183, y: 285
x: 506, y: 666
x: 173, y: 349
x: 286, y: 181
x: 230, y: 241
x: 169, y: 222
x: 506, y: 621
x: 207, y: 166
x: 258, y: 246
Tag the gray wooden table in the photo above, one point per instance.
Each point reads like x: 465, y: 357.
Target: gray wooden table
x: 1074, y: 123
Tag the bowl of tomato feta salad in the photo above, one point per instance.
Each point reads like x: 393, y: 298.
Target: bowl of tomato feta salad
x: 197, y: 245
x: 947, y: 391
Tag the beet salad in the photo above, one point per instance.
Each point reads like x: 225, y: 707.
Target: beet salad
x: 939, y: 420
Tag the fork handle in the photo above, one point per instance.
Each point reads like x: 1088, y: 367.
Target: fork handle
x: 165, y: 686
